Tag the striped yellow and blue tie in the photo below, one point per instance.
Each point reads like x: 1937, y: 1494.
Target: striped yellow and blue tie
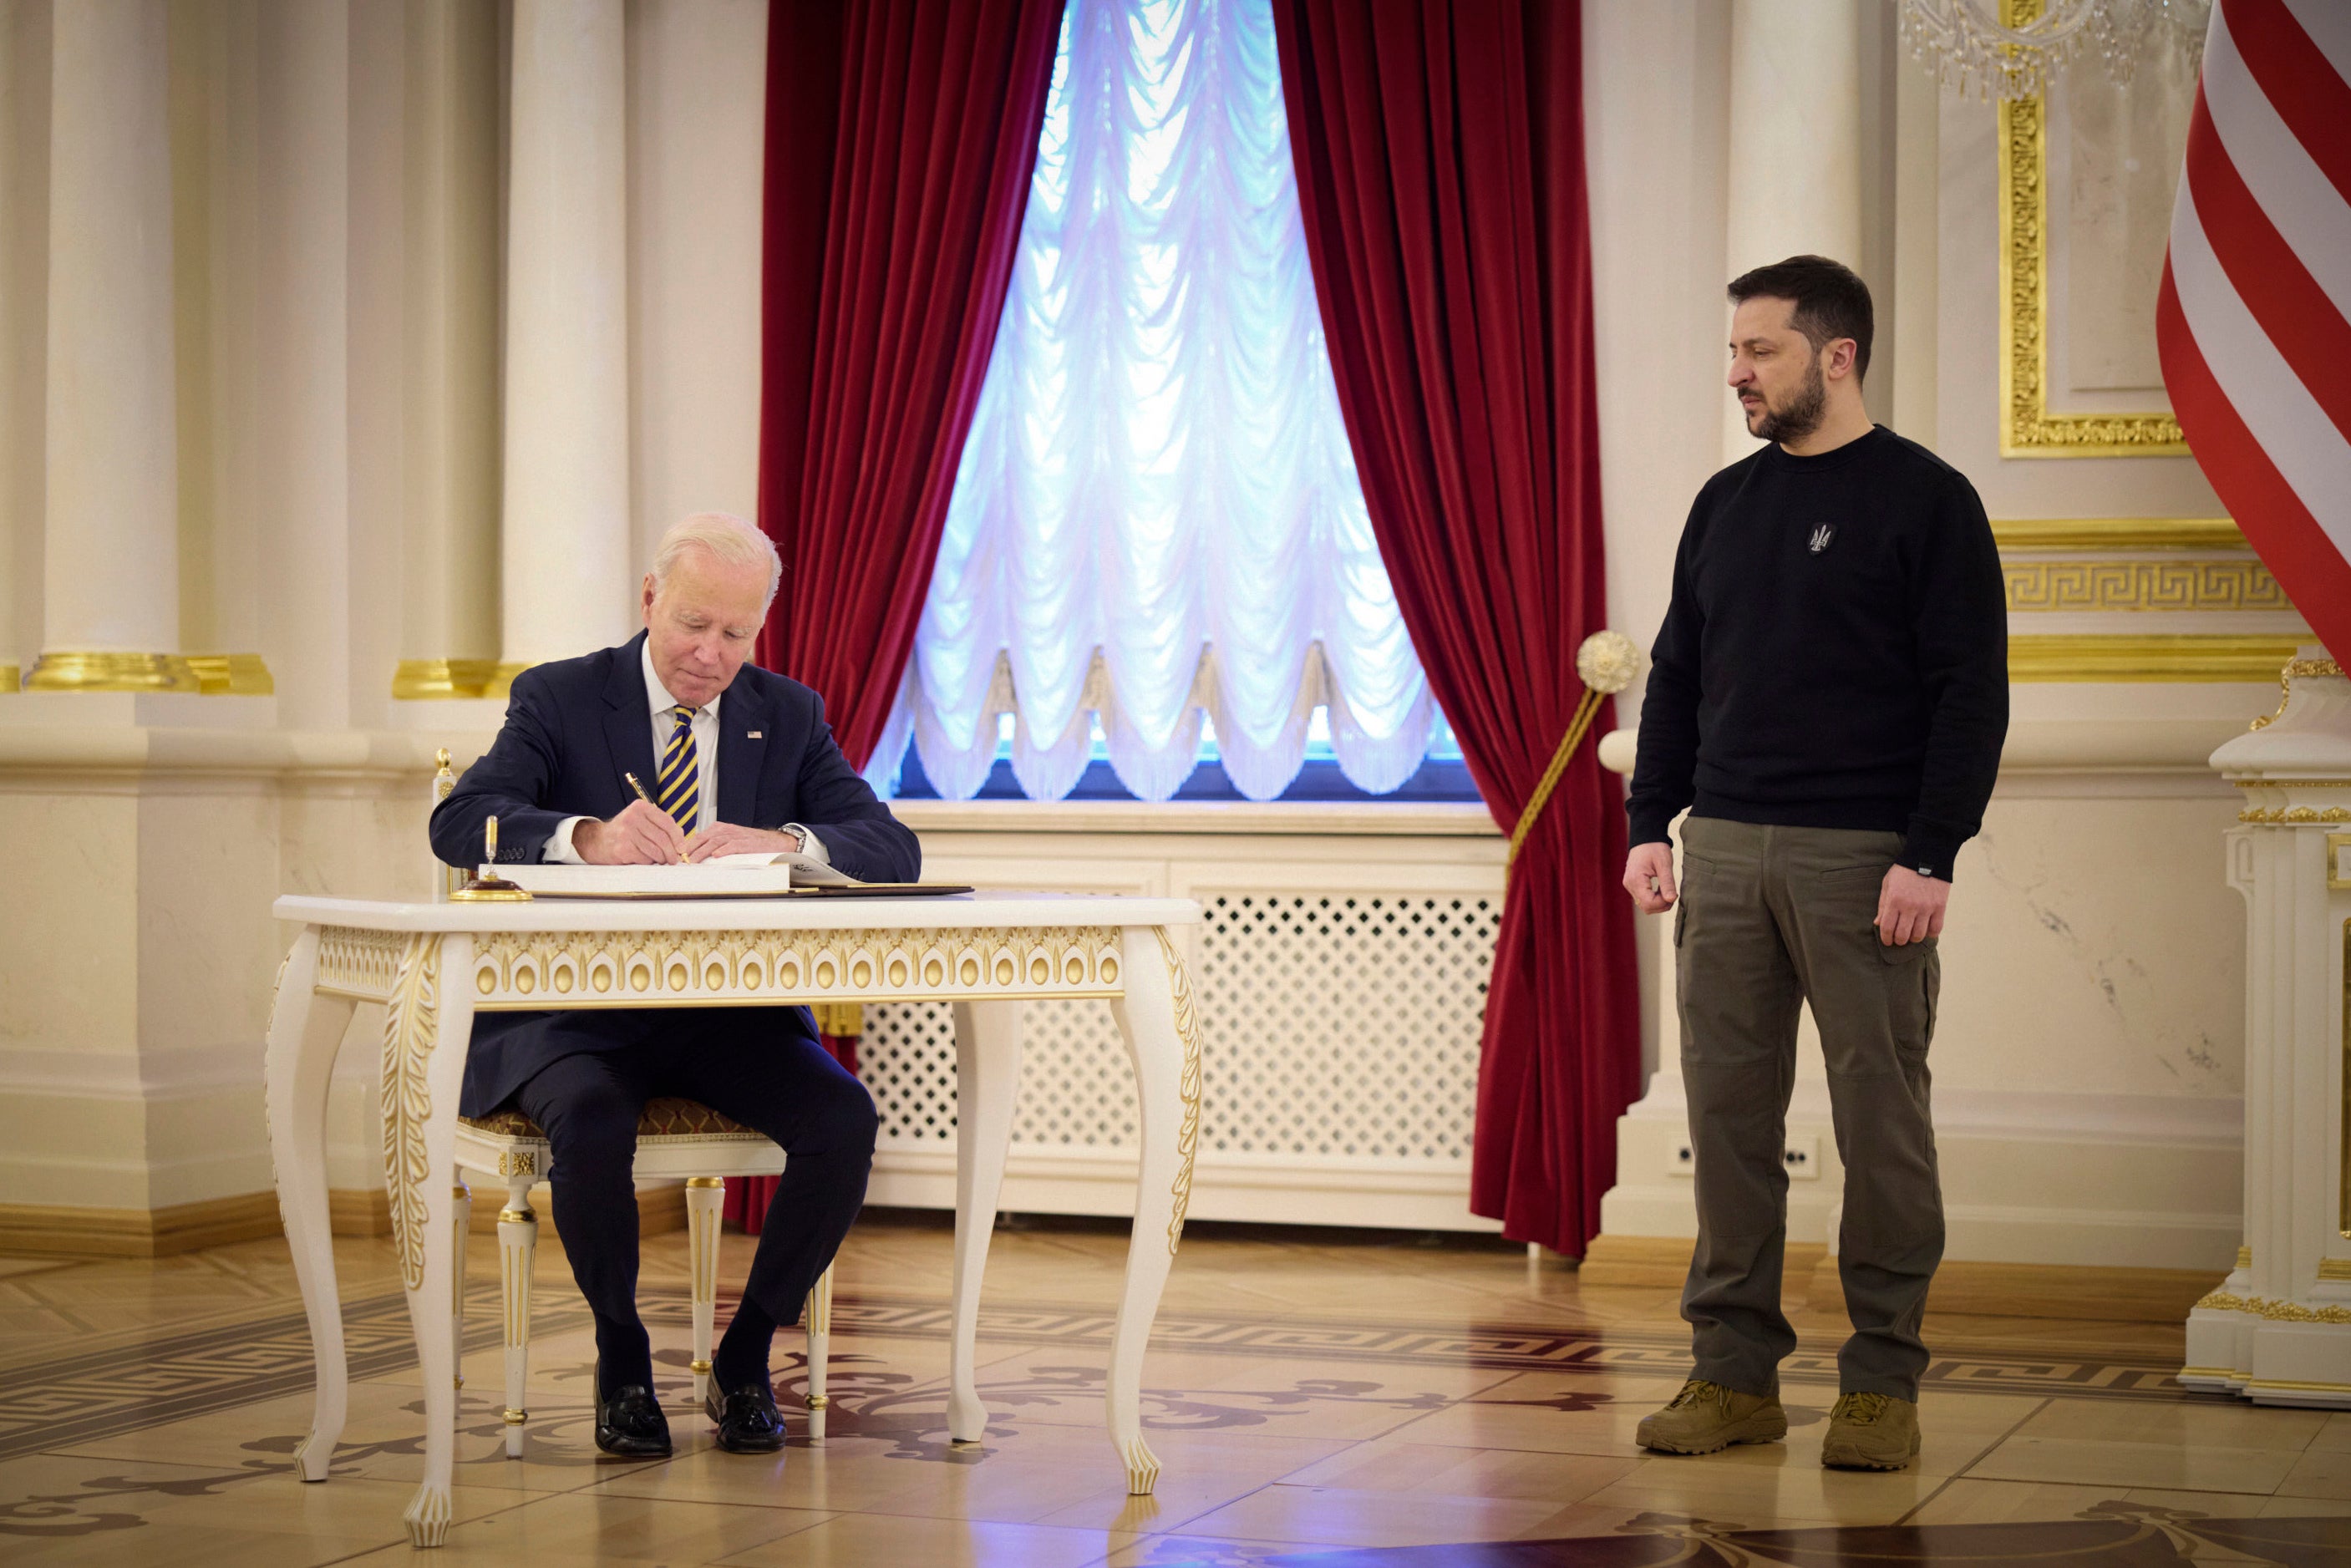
x: 677, y: 788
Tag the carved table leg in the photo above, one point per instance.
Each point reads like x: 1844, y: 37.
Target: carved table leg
x: 987, y: 1077
x: 705, y: 1197
x: 1162, y: 1037
x: 425, y: 1031
x: 304, y: 1030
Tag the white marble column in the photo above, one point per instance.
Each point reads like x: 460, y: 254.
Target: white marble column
x: 111, y: 610
x: 20, y: 324
x: 303, y: 390
x: 566, y: 578
x: 450, y: 425
x: 1795, y: 145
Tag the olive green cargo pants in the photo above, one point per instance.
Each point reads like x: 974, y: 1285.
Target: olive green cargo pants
x: 1770, y: 919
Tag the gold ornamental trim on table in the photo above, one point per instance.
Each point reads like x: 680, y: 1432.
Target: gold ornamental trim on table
x: 363, y: 964
x: 1188, y: 1083
x: 2153, y: 656
x: 71, y: 672
x: 411, y: 1029
x: 2027, y: 427
x: 760, y: 969
x: 2117, y: 533
x: 2141, y: 585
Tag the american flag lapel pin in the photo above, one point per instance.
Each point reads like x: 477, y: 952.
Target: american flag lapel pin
x: 755, y: 734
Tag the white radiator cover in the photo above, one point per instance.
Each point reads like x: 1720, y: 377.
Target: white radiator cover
x: 1342, y: 986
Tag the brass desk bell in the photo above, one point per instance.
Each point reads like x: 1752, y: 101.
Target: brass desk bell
x: 494, y: 888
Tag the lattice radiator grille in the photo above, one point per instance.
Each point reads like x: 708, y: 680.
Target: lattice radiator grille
x: 1338, y: 1025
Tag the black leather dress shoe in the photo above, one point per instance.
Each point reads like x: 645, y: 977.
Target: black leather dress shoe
x: 629, y: 1424
x: 748, y: 1419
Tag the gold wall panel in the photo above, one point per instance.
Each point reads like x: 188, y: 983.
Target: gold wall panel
x: 2027, y: 427
x: 428, y: 680
x: 232, y: 675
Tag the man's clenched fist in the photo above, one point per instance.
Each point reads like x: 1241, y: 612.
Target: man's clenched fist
x: 1650, y: 877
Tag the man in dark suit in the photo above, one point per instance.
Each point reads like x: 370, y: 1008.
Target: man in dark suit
x: 735, y: 759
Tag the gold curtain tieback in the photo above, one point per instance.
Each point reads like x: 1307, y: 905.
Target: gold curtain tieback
x: 1607, y: 663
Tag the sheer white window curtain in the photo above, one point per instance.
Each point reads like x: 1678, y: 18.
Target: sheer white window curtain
x: 1157, y: 516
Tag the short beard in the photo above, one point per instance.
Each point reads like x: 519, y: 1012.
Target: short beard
x: 1803, y: 415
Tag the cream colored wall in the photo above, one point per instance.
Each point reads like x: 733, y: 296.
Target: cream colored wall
x: 2089, y: 1052
x: 2091, y: 1044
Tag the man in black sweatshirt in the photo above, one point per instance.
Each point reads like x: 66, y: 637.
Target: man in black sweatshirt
x: 1827, y: 697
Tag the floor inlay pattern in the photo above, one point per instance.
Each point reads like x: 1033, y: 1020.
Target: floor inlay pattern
x: 1337, y: 1405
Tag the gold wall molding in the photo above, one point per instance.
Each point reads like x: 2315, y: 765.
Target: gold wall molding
x: 70, y: 671
x: 2027, y: 427
x: 2117, y: 533
x: 231, y: 675
x: 11, y: 678
x: 502, y: 679
x: 440, y: 680
x: 2051, y: 585
x: 2189, y: 656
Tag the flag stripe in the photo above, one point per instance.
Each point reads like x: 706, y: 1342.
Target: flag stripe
x: 2289, y: 538
x: 2314, y: 103
x: 2290, y: 188
x: 2327, y: 25
x: 2268, y: 397
x: 2301, y: 323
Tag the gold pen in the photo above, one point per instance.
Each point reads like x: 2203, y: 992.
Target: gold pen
x: 682, y: 857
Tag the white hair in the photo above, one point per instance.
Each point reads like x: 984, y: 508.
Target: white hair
x: 732, y: 540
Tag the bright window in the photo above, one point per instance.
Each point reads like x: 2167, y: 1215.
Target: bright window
x: 1158, y: 553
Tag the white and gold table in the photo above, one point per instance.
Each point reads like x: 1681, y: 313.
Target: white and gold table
x: 434, y: 966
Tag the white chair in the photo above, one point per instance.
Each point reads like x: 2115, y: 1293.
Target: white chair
x: 675, y: 1137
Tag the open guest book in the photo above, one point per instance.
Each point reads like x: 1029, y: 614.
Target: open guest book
x: 721, y: 876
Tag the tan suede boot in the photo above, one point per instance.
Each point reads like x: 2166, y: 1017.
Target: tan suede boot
x: 1871, y: 1432
x: 1706, y: 1418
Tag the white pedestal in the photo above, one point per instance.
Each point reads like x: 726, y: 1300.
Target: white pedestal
x: 2278, y: 1330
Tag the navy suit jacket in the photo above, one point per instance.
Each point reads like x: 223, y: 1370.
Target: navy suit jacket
x: 573, y: 729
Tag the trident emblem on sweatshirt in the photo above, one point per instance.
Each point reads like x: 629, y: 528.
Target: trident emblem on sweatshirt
x: 1823, y: 536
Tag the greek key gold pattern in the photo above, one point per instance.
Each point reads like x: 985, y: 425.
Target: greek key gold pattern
x: 2027, y: 428
x: 1187, y: 1136
x: 2043, y: 585
x: 362, y: 963
x: 598, y: 968
x: 410, y: 1025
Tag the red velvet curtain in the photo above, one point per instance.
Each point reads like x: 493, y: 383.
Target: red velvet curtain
x: 900, y: 138
x: 1440, y: 149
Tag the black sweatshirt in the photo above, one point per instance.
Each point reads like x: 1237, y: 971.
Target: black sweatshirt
x: 1835, y: 654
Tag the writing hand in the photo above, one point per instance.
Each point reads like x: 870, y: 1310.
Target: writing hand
x: 643, y: 835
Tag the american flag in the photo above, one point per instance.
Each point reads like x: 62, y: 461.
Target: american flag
x: 2254, y: 323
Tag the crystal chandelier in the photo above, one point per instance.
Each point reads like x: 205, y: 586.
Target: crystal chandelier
x: 2016, y: 53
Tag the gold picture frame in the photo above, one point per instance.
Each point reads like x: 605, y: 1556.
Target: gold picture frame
x: 2027, y: 427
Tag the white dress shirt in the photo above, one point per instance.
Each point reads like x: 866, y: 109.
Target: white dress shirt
x: 558, y: 851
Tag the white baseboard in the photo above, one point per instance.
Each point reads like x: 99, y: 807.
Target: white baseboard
x: 1042, y: 1179
x: 2117, y: 1181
